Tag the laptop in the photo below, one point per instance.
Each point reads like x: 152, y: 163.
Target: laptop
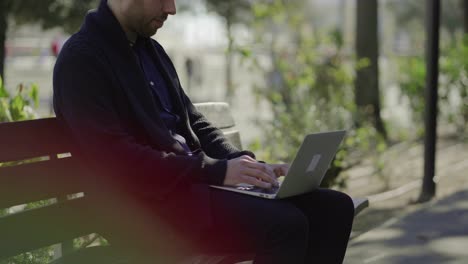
x: 306, y: 171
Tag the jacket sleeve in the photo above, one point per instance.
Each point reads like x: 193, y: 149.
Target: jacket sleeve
x: 83, y: 103
x: 212, y: 139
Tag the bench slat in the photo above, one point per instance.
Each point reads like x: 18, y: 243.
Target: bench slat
x: 360, y: 204
x: 219, y: 114
x: 38, y: 181
x: 41, y: 227
x: 30, y: 139
x: 234, y: 137
x: 94, y: 255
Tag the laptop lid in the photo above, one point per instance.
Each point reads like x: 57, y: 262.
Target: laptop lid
x: 311, y: 163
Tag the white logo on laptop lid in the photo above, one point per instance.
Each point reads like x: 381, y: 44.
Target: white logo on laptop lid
x: 314, y: 162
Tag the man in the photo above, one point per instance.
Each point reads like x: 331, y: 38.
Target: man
x: 117, y: 93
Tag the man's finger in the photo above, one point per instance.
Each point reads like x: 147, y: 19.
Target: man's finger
x: 280, y: 169
x: 249, y: 158
x: 260, y: 174
x: 252, y: 163
x: 256, y: 182
x: 262, y: 167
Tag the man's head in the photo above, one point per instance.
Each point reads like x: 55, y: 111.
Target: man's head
x: 142, y: 17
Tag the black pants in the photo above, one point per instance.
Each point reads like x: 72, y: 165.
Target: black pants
x: 310, y: 228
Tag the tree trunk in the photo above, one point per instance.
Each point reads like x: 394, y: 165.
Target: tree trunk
x: 433, y: 15
x: 3, y: 31
x: 229, y: 51
x: 464, y: 4
x: 367, y: 80
x: 342, y: 18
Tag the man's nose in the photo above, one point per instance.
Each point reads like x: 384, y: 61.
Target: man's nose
x: 169, y: 7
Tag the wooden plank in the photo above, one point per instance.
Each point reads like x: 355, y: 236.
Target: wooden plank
x: 108, y: 254
x: 37, y: 228
x: 360, y: 204
x: 41, y: 180
x: 234, y: 137
x: 218, y: 113
x: 33, y: 138
x: 95, y: 255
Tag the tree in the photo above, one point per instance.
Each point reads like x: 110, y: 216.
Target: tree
x: 232, y: 11
x: 367, y: 93
x: 464, y: 4
x: 307, y: 86
x: 407, y: 11
x: 3, y: 29
x: 48, y: 13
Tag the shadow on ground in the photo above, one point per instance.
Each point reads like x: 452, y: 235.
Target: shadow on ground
x: 436, y: 233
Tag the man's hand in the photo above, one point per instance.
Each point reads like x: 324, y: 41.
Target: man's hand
x: 247, y: 170
x: 279, y: 169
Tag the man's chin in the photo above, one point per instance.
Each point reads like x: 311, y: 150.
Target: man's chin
x: 148, y: 34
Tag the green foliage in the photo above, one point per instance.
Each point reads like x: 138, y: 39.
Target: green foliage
x: 409, y: 11
x: 309, y: 88
x: 454, y: 68
x: 453, y: 83
x: 66, y: 14
x: 92, y: 239
x: 18, y: 107
x: 50, y: 13
x: 40, y: 256
x: 232, y: 10
x: 412, y: 85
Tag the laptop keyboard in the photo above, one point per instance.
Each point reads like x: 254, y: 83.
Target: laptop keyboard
x: 272, y: 190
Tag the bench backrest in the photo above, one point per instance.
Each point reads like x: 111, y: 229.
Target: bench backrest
x: 35, y: 165
x: 219, y: 114
x: 31, y: 171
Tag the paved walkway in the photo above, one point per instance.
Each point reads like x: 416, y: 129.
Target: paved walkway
x: 435, y: 233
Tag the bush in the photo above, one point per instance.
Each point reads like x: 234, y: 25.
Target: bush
x: 309, y: 89
x: 453, y: 83
x: 20, y: 106
x: 454, y: 68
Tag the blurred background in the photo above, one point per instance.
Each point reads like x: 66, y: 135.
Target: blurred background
x: 288, y: 68
x: 291, y: 67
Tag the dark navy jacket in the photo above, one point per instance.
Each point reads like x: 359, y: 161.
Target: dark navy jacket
x: 102, y: 98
